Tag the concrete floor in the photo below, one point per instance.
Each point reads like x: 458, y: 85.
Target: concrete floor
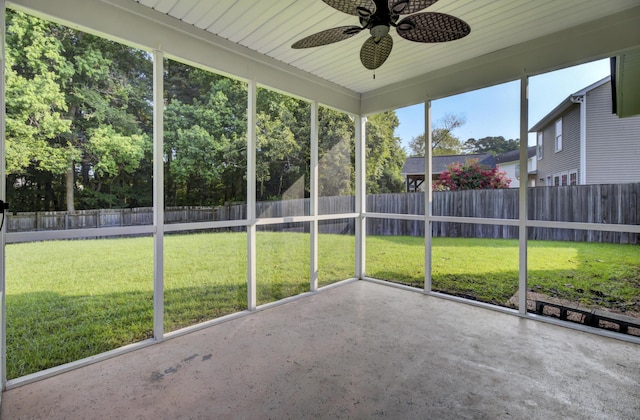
x: 361, y: 350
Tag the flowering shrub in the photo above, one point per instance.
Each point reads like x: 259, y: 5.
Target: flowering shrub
x: 470, y: 176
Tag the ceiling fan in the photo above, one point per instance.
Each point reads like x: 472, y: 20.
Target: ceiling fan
x: 378, y: 16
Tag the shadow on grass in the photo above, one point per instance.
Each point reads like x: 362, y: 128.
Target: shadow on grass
x: 191, y: 305
x: 266, y: 293
x: 47, y: 329
x: 496, y: 289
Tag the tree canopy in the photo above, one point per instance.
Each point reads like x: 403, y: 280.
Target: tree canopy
x: 78, y: 117
x: 493, y: 145
x: 443, y: 141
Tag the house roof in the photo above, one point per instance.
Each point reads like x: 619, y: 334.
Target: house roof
x: 564, y: 105
x: 514, y: 155
x: 415, y: 165
x: 251, y: 40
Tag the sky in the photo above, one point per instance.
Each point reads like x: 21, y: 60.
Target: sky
x: 495, y: 111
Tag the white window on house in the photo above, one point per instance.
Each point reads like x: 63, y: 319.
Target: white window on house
x: 573, y: 177
x: 559, y: 135
x: 564, y: 180
x: 556, y: 180
x: 539, y: 148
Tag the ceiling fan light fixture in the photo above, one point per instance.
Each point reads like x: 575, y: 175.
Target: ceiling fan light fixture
x: 399, y: 7
x: 363, y: 12
x: 379, y: 31
x: 406, y: 26
x: 353, y: 30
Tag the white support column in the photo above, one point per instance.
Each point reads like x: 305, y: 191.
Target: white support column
x: 428, y: 197
x: 313, y: 184
x: 3, y: 197
x: 361, y: 197
x: 158, y: 195
x: 251, y: 193
x: 524, y: 184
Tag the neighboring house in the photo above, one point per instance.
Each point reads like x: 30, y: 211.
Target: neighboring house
x: 583, y: 142
x: 413, y: 169
x: 509, y: 162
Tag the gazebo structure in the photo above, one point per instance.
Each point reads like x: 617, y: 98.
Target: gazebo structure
x: 250, y: 40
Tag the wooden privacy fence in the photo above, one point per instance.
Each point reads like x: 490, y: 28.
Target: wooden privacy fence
x: 615, y: 204
x: 608, y: 203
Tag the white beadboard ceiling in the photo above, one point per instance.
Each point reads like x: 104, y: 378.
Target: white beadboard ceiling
x: 270, y: 27
x: 251, y: 40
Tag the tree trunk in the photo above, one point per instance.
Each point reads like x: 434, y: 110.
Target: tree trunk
x: 69, y: 187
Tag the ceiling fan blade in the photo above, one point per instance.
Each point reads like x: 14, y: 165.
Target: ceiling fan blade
x: 432, y: 27
x: 328, y: 36
x: 405, y: 7
x: 373, y: 54
x: 353, y: 7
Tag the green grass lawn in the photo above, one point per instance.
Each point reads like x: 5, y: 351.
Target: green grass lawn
x: 487, y: 269
x: 67, y: 300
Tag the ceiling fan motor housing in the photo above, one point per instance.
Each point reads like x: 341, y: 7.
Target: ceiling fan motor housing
x: 379, y: 31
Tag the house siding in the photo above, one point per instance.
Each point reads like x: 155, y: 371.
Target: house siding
x: 613, y: 144
x: 568, y: 158
x: 510, y: 169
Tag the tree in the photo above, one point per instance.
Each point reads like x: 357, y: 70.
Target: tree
x: 205, y: 127
x: 470, y: 175
x: 493, y: 145
x: 336, y: 175
x: 35, y: 104
x: 63, y: 88
x: 205, y: 137
x: 385, y: 155
x: 283, y: 146
x: 442, y: 138
x: 108, y: 95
